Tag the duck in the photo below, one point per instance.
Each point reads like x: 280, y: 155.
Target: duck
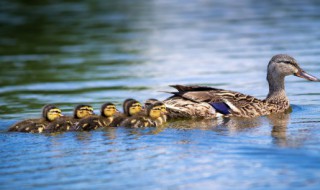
x: 151, y: 101
x: 130, y: 108
x: 50, y: 113
x: 151, y: 119
x: 93, y: 122
x: 69, y: 123
x: 203, y: 102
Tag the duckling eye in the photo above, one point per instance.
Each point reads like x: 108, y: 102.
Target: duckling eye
x: 136, y: 105
x: 110, y: 108
x: 86, y: 109
x: 55, y: 111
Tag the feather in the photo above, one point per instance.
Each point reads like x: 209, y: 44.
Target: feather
x: 221, y: 107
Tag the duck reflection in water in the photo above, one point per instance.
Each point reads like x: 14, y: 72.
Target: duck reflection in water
x: 234, y: 125
x: 279, y: 124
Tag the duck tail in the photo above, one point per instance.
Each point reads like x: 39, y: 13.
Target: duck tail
x: 174, y: 93
x: 183, y: 88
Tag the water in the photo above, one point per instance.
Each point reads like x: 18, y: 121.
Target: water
x: 68, y: 52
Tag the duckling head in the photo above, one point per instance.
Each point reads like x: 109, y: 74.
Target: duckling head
x: 125, y: 106
x: 132, y: 107
x: 82, y: 111
x: 108, y: 109
x: 50, y: 112
x: 149, y: 102
x: 163, y: 108
x: 154, y: 111
x: 282, y: 65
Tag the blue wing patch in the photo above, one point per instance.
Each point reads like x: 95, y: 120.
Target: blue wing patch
x: 221, y: 107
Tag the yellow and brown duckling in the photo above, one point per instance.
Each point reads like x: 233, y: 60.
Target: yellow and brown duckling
x: 69, y: 123
x: 130, y: 107
x: 152, y: 101
x: 153, y: 118
x: 93, y: 122
x: 50, y: 113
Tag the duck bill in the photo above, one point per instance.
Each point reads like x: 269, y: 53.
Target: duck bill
x: 305, y: 75
x: 164, y: 112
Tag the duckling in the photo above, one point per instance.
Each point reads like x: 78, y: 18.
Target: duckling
x: 130, y: 108
x: 68, y: 123
x: 94, y: 121
x: 152, y: 101
x: 50, y: 113
x: 152, y: 119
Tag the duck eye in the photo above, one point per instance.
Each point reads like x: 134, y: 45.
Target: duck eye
x: 136, y: 105
x: 287, y: 62
x: 86, y: 109
x: 110, y: 108
x: 55, y: 111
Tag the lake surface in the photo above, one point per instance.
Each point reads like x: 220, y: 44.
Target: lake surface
x: 68, y: 52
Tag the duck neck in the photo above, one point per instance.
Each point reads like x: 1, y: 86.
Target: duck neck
x: 276, y: 89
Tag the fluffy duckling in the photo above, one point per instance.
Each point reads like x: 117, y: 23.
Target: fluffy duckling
x: 152, y: 101
x: 130, y: 107
x: 68, y: 123
x: 95, y: 121
x: 152, y: 119
x: 50, y: 113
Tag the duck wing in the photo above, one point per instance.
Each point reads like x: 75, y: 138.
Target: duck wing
x: 224, y: 102
x: 200, y: 93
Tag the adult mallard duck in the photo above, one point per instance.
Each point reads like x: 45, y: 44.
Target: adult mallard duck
x: 93, y: 122
x: 208, y: 102
x: 50, y: 113
x: 151, y: 119
x: 69, y: 123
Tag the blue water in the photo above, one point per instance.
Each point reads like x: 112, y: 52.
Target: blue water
x: 68, y: 52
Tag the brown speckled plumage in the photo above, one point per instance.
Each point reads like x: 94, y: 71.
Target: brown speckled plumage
x: 62, y: 124
x: 93, y: 122
x: 34, y: 125
x: 194, y: 101
x: 29, y: 126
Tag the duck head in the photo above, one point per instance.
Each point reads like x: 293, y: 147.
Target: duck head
x: 282, y: 65
x: 108, y: 109
x: 124, y: 105
x: 50, y: 112
x: 156, y: 110
x: 133, y: 107
x: 82, y: 111
x: 149, y: 102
